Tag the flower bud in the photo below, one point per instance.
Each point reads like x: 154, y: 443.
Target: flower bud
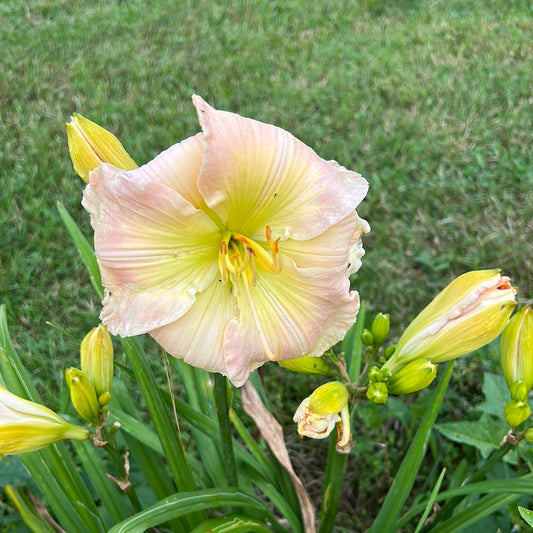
x: 516, y: 347
x: 306, y: 365
x: 516, y: 412
x: 469, y: 313
x: 415, y: 376
x: 28, y: 426
x: 519, y: 391
x: 529, y: 435
x: 377, y: 392
x: 90, y: 145
x: 367, y: 337
x: 389, y: 351
x: 318, y: 414
x: 380, y: 329
x: 83, y: 395
x: 96, y: 354
x: 375, y: 374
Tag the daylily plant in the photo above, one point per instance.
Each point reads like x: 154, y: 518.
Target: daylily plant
x: 231, y: 248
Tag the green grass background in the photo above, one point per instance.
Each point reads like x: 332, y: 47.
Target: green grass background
x: 431, y: 101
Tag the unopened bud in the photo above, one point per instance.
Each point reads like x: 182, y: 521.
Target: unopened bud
x: 28, y: 426
x: 306, y: 365
x: 82, y: 395
x: 415, y: 376
x: 367, y: 337
x: 377, y: 392
x: 375, y: 374
x: 90, y: 145
x: 380, y: 329
x: 96, y: 354
x: 529, y: 435
x: 469, y: 313
x: 516, y: 412
x: 519, y: 391
x: 389, y: 351
x: 516, y: 347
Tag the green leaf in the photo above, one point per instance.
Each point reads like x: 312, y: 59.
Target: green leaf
x: 185, y: 503
x: 485, y: 434
x: 475, y: 512
x: 496, y: 395
x: 399, y: 491
x: 231, y: 523
x: 84, y: 248
x: 431, y: 501
x: 527, y: 515
x: 27, y: 511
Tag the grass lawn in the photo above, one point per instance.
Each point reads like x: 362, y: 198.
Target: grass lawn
x: 431, y: 101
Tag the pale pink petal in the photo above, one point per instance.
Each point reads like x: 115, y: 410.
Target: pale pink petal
x: 337, y: 248
x: 294, y: 313
x: 356, y: 246
x: 255, y: 174
x: 198, y: 336
x: 178, y: 167
x: 154, y: 248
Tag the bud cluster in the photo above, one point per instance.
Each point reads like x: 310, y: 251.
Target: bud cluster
x: 90, y: 387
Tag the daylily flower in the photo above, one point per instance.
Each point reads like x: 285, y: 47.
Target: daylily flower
x: 231, y: 248
x: 466, y: 315
x: 28, y: 426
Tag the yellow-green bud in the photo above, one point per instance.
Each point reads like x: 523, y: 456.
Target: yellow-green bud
x: 516, y: 347
x: 377, y: 392
x: 389, y: 351
x: 329, y: 398
x: 529, y: 435
x: 380, y: 329
x: 367, y: 337
x: 516, y: 412
x: 96, y: 354
x: 83, y: 395
x: 415, y: 376
x: 28, y: 426
x: 104, y: 399
x: 375, y: 374
x: 519, y: 391
x: 90, y: 145
x: 306, y: 365
x: 469, y: 313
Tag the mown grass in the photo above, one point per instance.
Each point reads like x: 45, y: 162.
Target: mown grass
x: 431, y: 101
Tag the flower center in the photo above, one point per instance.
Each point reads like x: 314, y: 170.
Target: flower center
x: 240, y: 257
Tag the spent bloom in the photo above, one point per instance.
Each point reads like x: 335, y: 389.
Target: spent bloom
x: 231, y: 248
x: 28, y: 426
x: 469, y: 313
x: 326, y: 408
